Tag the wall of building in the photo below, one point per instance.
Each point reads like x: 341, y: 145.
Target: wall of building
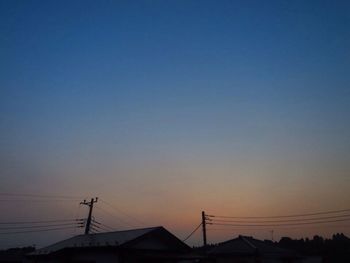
x: 94, y: 257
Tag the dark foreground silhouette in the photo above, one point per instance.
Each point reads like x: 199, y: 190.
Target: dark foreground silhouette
x: 335, y: 250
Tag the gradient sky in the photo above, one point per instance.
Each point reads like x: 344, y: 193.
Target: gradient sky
x: 168, y: 108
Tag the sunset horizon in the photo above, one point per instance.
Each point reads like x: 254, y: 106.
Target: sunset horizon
x: 165, y: 109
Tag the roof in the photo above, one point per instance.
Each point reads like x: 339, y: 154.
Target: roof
x: 108, y: 239
x: 247, y: 246
x: 14, y: 254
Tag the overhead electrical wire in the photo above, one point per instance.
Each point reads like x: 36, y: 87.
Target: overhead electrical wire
x: 19, y: 197
x: 102, y: 226
x: 40, y: 222
x: 41, y: 195
x: 225, y: 228
x: 100, y: 229
x: 283, y: 216
x: 114, y: 216
x: 192, y: 232
x: 280, y: 221
x: 32, y: 226
x: 35, y: 231
x: 40, y: 226
x: 94, y: 229
x: 18, y: 227
x: 108, y: 228
x: 276, y: 225
x: 38, y: 200
x: 77, y: 216
x: 123, y: 212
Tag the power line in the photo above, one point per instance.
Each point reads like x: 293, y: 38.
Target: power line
x: 41, y: 195
x: 192, y: 232
x: 94, y: 229
x: 108, y: 227
x: 77, y: 216
x: 38, y: 200
x: 40, y: 226
x: 35, y: 231
x: 39, y: 222
x: 283, y: 216
x: 124, y: 213
x: 103, y: 225
x: 285, y: 227
x: 280, y: 221
x: 276, y: 225
x: 100, y: 227
x: 114, y: 216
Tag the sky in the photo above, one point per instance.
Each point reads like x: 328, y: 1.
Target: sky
x: 168, y: 108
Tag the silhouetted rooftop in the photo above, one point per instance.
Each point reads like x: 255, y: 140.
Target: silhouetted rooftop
x: 244, y: 245
x: 107, y: 239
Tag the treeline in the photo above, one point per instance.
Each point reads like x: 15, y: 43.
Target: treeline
x: 335, y: 249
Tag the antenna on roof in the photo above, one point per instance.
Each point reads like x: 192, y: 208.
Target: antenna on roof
x: 90, y: 205
x: 271, y: 234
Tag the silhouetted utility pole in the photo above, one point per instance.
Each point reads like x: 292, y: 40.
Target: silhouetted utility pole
x: 90, y: 205
x: 204, y: 229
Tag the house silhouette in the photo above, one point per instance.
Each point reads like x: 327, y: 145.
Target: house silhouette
x: 154, y: 244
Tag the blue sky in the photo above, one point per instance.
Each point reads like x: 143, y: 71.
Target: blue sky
x: 149, y: 93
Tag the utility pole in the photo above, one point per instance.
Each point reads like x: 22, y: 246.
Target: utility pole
x: 90, y: 205
x: 204, y: 229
